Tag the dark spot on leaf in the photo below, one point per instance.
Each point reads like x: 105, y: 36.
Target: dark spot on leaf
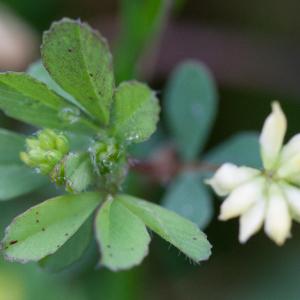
x: 91, y: 74
x: 13, y: 242
x: 37, y: 221
x: 36, y: 212
x: 66, y: 234
x: 194, y: 238
x: 43, y: 229
x: 70, y: 49
x: 108, y: 246
x: 57, y: 246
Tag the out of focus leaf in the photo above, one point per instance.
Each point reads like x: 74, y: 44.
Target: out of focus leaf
x: 79, y: 60
x: 11, y: 144
x: 130, y: 285
x: 122, y: 236
x: 190, y: 198
x: 27, y: 282
x: 15, y: 178
x: 240, y: 149
x: 44, y: 228
x: 135, y: 112
x: 71, y: 251
x: 190, y: 107
x: 146, y: 149
x: 180, y: 232
x: 28, y: 100
x: 141, y: 21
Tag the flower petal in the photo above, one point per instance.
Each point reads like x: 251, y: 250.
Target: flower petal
x: 290, y: 168
x: 272, y: 136
x: 229, y: 176
x: 291, y: 148
x: 252, y: 220
x: 278, y: 220
x: 293, y: 197
x: 241, y: 199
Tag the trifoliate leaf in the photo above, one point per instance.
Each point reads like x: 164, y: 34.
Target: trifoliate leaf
x: 79, y: 60
x: 180, y: 232
x: 44, y: 228
x: 190, y: 106
x: 122, y: 236
x: 28, y: 100
x: 135, y: 112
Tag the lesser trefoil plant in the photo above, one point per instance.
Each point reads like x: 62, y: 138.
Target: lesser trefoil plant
x: 80, y: 97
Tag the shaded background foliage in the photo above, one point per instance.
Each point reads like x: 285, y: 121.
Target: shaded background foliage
x: 252, y: 51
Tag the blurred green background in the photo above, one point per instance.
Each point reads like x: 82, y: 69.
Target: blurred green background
x: 252, y: 50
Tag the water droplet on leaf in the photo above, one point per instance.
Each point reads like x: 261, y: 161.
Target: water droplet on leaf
x: 70, y: 114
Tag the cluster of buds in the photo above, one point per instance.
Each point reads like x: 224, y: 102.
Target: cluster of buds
x: 109, y: 162
x: 45, y: 150
x: 106, y: 155
x: 270, y: 196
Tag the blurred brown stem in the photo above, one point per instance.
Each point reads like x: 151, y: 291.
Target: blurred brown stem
x: 163, y: 169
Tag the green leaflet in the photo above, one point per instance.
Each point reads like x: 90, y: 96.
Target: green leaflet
x: 138, y: 30
x: 28, y: 100
x: 79, y: 60
x: 135, y: 112
x: 190, y: 106
x: 239, y: 149
x: 44, y: 228
x: 178, y: 231
x: 123, y: 238
x: 71, y: 251
x: 15, y: 178
x: 78, y: 171
x: 190, y: 198
x: 38, y: 71
x: 10, y: 146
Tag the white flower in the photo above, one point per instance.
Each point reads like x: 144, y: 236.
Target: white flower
x: 269, y: 197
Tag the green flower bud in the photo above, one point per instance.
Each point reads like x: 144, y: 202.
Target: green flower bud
x: 45, y: 150
x: 109, y: 162
x: 106, y: 155
x: 62, y: 143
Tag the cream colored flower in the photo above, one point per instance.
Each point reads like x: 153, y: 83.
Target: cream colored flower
x: 269, y: 197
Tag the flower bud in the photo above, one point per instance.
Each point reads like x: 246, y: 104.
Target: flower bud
x: 229, y: 176
x: 45, y: 150
x: 106, y: 155
x: 278, y: 219
x: 272, y: 136
x: 250, y: 192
